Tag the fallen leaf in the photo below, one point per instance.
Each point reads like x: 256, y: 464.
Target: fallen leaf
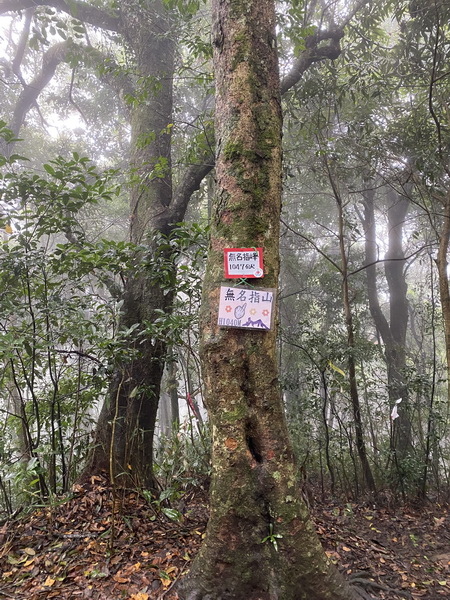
x: 120, y: 579
x: 28, y: 562
x: 171, y: 569
x: 231, y: 444
x: 48, y: 582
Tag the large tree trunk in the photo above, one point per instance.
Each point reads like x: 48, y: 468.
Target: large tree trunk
x: 124, y: 435
x: 260, y: 542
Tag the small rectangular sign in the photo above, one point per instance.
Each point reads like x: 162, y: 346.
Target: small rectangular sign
x: 246, y: 308
x: 243, y: 262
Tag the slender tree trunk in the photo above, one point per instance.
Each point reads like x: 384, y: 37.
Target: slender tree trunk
x: 326, y: 428
x: 172, y: 388
x: 351, y: 362
x: 260, y: 542
x: 444, y: 288
x: 351, y: 343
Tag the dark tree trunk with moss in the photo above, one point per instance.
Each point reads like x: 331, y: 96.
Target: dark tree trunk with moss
x: 260, y: 543
x: 124, y: 435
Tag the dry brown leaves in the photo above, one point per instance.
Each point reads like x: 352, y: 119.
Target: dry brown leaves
x: 87, y: 548
x: 81, y: 550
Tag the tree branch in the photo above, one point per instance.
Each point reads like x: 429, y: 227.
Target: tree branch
x: 190, y: 183
x: 314, y: 245
x: 50, y: 61
x: 314, y: 52
x: 75, y: 8
x: 21, y: 46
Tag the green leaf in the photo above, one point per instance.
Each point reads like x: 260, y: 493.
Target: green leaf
x: 172, y: 514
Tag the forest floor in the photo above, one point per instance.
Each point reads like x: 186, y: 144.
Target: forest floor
x: 72, y: 551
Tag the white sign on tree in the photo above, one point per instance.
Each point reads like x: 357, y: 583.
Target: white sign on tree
x: 243, y: 262
x: 246, y: 308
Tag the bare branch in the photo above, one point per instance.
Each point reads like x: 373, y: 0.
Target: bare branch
x: 50, y: 61
x: 314, y: 245
x: 21, y: 46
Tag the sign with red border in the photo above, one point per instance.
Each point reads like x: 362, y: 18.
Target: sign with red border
x: 243, y: 262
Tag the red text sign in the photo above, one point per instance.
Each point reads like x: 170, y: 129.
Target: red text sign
x: 243, y: 262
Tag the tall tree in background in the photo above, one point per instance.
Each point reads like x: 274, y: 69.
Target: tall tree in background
x: 124, y: 434
x: 393, y: 330
x: 260, y: 542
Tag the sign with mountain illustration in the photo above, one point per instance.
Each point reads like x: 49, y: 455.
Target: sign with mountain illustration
x: 246, y: 308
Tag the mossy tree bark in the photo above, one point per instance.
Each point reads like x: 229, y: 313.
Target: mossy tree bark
x: 260, y: 541
x: 124, y: 434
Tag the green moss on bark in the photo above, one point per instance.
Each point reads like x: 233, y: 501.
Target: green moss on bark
x: 254, y: 487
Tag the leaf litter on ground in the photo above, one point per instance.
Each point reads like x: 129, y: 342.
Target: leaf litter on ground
x: 102, y: 545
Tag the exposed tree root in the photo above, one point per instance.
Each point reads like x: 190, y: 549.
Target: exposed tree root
x: 360, y: 593
x: 358, y: 581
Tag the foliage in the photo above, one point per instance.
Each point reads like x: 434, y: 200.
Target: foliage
x: 59, y: 310
x: 55, y: 322
x: 183, y: 458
